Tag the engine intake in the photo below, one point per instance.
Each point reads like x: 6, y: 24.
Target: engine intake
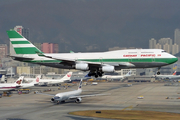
x: 81, y: 66
x: 78, y: 100
x: 108, y: 68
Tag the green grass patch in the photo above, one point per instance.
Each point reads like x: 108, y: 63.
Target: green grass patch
x: 128, y: 114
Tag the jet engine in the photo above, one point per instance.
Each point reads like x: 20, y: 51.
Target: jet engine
x: 108, y: 68
x: 78, y: 100
x: 82, y: 66
x: 52, y: 99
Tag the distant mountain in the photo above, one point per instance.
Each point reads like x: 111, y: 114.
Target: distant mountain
x: 91, y: 25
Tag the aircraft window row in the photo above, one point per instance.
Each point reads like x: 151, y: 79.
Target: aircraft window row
x: 163, y: 51
x: 132, y: 52
x: 147, y: 52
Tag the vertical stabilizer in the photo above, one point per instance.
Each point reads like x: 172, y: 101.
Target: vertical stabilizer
x: 129, y: 73
x: 67, y: 77
x: 80, y: 84
x: 3, y: 79
x: 19, y: 80
x: 174, y: 73
x: 20, y: 44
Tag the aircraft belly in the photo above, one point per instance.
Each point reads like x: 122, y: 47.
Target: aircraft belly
x: 142, y: 65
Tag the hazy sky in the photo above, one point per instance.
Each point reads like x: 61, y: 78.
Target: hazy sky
x: 91, y: 25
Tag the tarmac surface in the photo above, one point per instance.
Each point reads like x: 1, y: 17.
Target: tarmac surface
x: 38, y: 107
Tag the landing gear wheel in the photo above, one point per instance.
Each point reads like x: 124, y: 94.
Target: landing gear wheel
x: 158, y: 73
x: 96, y: 76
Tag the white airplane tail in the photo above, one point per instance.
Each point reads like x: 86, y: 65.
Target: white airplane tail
x: 67, y: 77
x: 36, y: 81
x: 19, y: 80
x: 129, y: 73
x: 80, y: 84
x: 3, y: 78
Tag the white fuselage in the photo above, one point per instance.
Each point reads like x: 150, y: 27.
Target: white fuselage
x: 8, y: 86
x: 66, y: 95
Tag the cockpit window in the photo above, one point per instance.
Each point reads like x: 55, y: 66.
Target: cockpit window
x: 163, y: 51
x: 56, y: 97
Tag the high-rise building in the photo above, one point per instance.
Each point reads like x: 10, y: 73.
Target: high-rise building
x: 165, y: 41
x: 175, y: 49
x: 166, y: 47
x: 49, y: 48
x: 158, y: 46
x: 3, y: 50
x: 56, y: 48
x: 18, y: 29
x: 23, y: 31
x: 177, y: 36
x: 45, y: 47
x: 152, y: 43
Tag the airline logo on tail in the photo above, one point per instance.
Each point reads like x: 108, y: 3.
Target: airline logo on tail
x: 19, y: 82
x: 37, y: 79
x: 69, y: 74
x: 174, y: 73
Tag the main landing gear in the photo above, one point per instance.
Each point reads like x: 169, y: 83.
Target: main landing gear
x: 96, y: 74
x: 158, y: 72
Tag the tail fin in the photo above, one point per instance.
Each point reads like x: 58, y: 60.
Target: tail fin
x: 20, y: 44
x: 19, y: 80
x: 3, y: 78
x: 67, y: 77
x: 80, y: 84
x: 87, y: 76
x: 174, y: 73
x: 36, y: 80
x: 129, y: 73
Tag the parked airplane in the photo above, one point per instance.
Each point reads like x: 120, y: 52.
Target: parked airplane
x: 97, y: 63
x: 168, y: 77
x: 11, y: 86
x: 117, y: 76
x: 66, y: 78
x: 31, y: 84
x: 71, y: 95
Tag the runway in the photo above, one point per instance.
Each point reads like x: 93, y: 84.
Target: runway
x: 34, y: 106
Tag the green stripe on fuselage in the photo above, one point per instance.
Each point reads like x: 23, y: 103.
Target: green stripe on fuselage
x: 20, y: 42
x: 165, y: 60
x: 26, y: 50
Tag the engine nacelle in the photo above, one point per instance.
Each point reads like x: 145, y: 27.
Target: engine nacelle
x: 108, y: 68
x: 78, y: 100
x: 82, y: 66
x: 52, y: 99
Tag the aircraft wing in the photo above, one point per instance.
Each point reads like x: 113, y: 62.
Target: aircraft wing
x: 45, y: 94
x: 91, y: 64
x: 81, y: 96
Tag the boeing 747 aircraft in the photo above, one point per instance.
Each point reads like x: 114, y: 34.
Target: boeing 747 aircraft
x: 95, y: 62
x: 71, y: 95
